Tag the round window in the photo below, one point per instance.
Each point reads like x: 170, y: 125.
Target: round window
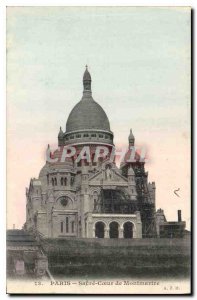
x: 64, y: 200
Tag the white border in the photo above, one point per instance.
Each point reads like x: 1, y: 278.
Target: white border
x: 98, y: 2
x: 3, y: 147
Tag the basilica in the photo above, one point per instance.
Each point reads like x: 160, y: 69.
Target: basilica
x: 84, y: 198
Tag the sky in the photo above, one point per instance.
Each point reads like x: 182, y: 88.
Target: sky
x: 139, y: 60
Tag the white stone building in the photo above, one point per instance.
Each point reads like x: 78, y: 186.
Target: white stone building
x: 90, y: 199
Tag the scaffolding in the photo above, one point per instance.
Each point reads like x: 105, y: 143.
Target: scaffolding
x: 115, y: 202
x: 146, y: 204
x: 118, y: 201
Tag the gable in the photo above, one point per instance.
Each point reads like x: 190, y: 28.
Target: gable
x: 108, y: 176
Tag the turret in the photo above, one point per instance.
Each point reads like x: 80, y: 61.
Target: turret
x: 132, y: 184
x: 60, y: 137
x: 152, y: 190
x: 87, y: 82
x: 84, y: 175
x: 131, y: 138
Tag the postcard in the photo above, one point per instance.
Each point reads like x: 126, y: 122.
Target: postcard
x: 98, y: 150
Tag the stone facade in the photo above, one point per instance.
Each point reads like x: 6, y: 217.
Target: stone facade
x: 87, y: 199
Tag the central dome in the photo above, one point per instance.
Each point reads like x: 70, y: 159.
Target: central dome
x: 87, y: 114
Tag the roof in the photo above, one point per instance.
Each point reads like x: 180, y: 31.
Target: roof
x: 87, y: 114
x: 19, y: 237
x: 131, y: 136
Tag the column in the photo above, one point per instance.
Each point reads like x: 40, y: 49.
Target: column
x: 69, y: 180
x: 106, y: 233
x: 134, y: 233
x: 90, y: 226
x: 58, y: 179
x: 121, y: 233
x: 94, y: 232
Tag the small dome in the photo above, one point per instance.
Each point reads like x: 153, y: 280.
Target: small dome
x: 61, y: 134
x: 131, y: 136
x: 44, y: 170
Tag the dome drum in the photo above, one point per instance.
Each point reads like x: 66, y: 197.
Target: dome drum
x: 88, y: 136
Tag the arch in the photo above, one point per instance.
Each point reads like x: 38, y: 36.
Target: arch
x: 95, y: 194
x: 128, y: 230
x: 134, y: 225
x: 69, y: 195
x: 65, y: 181
x: 107, y: 163
x: 52, y: 180
x: 100, y: 229
x: 62, y: 181
x: 102, y: 222
x: 55, y: 181
x: 64, y: 201
x: 95, y: 189
x: 114, y: 230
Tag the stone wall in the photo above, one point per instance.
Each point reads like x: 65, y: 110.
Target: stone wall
x: 125, y: 258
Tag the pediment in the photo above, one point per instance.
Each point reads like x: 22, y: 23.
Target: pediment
x: 108, y: 176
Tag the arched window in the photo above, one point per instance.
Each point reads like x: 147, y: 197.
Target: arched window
x: 65, y: 181
x: 100, y: 230
x: 52, y: 181
x: 128, y: 230
x: 55, y: 181
x: 113, y: 230
x: 95, y: 200
x: 62, y: 180
x: 73, y: 226
x: 61, y: 227
x: 67, y: 229
x: 95, y: 204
